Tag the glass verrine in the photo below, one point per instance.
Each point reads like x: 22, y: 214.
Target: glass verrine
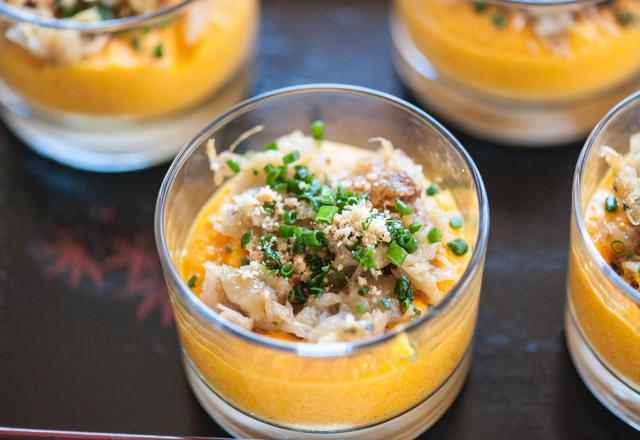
x: 119, y: 94
x: 392, y: 386
x: 602, y: 319
x: 525, y: 72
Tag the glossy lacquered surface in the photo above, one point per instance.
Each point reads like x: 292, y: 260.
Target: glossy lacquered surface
x: 86, y: 336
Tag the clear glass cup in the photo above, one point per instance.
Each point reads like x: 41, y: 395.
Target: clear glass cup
x: 127, y: 93
x: 392, y: 386
x: 602, y: 318
x: 524, y: 72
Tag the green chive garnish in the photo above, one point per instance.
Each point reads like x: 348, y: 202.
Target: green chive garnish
x: 386, y: 303
x: 363, y: 290
x: 192, y: 281
x: 434, y: 235
x: 135, y: 42
x: 317, y: 130
x: 289, y: 217
x: 286, y: 270
x: 499, y: 20
x: 396, y: 254
x: 432, y: 190
x: 611, y: 204
x: 287, y: 231
x: 404, y: 292
x: 244, y: 261
x: 360, y: 308
x: 159, y: 50
x: 414, y: 227
x: 312, y: 238
x: 403, y: 208
x: 271, y: 146
x: 291, y: 157
x: 625, y: 18
x: 228, y: 248
x: 458, y: 246
x: 617, y: 246
x: 234, y: 165
x: 479, y: 6
x: 364, y: 256
x: 325, y: 214
x: 246, y: 239
x: 456, y: 222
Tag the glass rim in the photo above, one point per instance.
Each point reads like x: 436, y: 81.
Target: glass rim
x: 116, y: 24
x: 314, y: 349
x: 578, y: 209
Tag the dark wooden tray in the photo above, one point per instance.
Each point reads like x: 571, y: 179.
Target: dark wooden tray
x: 86, y: 334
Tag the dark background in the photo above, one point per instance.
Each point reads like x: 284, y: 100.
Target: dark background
x: 86, y: 335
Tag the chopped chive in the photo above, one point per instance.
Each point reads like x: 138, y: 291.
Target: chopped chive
x: 617, y: 246
x: 386, y: 303
x: 135, y: 42
x: 363, y: 290
x: 158, y: 51
x: 271, y: 146
x: 291, y: 157
x: 432, y: 190
x: 479, y: 6
x: 299, y: 246
x: 192, y: 281
x: 269, y: 207
x: 316, y: 291
x: 414, y: 227
x: 286, y: 270
x: 312, y: 238
x: 317, y: 130
x: 417, y: 311
x: 404, y: 292
x: 434, y: 235
x: 456, y: 222
x: 244, y: 261
x: 233, y: 165
x: 396, y: 254
x: 297, y: 295
x: 289, y: 217
x: 499, y: 20
x: 287, y: 231
x: 625, y: 18
x: 611, y: 204
x: 365, y: 257
x: 246, y: 239
x: 367, y: 222
x: 325, y: 214
x: 228, y: 248
x: 360, y: 308
x: 403, y: 208
x: 458, y: 246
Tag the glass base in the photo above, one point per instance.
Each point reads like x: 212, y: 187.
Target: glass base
x: 509, y: 121
x: 405, y: 426
x: 112, y: 144
x: 616, y: 395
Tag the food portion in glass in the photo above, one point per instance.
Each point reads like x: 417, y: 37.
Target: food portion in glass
x: 312, y: 274
x: 117, y: 85
x: 323, y: 242
x: 603, y: 313
x: 545, y: 71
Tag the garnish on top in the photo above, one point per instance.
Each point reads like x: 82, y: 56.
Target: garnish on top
x: 613, y: 215
x: 340, y: 242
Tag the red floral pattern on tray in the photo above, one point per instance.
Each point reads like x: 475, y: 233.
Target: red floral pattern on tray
x: 127, y: 265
